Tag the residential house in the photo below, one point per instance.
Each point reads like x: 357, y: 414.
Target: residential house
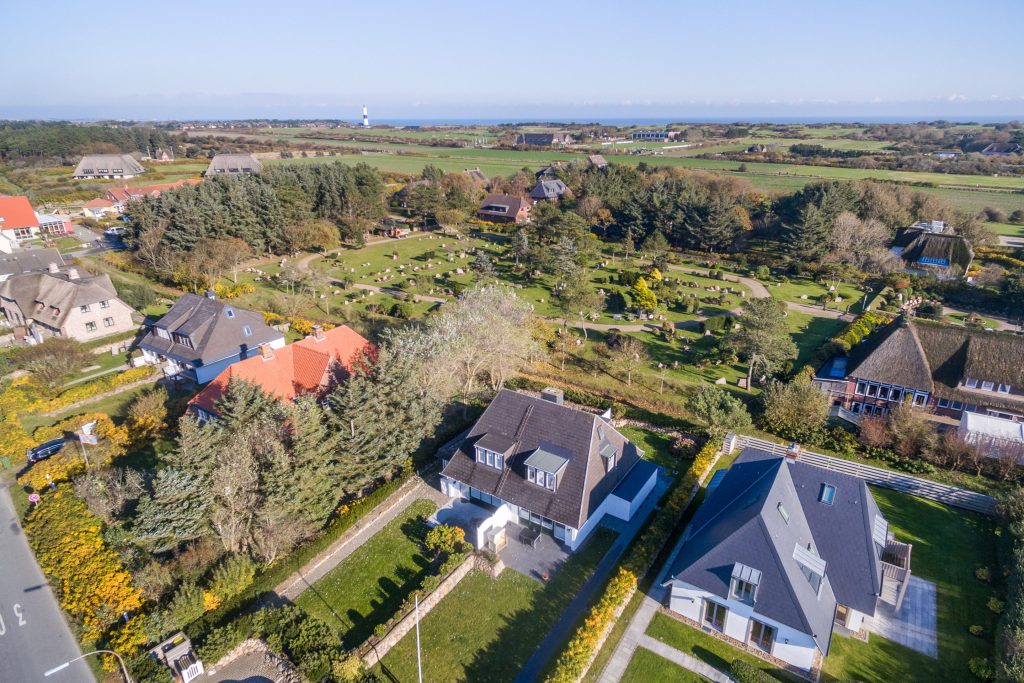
x: 94, y: 166
x: 233, y: 164
x: 781, y: 550
x: 69, y: 303
x: 503, y: 208
x: 120, y: 196
x: 550, y: 172
x: 759, y: 148
x: 946, y: 154
x: 548, y: 190
x: 1003, y: 149
x: 29, y: 261
x: 200, y: 336
x: 100, y: 207
x: 538, y: 463
x: 934, y: 226
x: 401, y: 198
x: 19, y: 222
x: 597, y: 160
x: 938, y: 253
x: 162, y: 154
x: 543, y: 139
x: 313, y: 365
x: 942, y: 369
x: 653, y: 135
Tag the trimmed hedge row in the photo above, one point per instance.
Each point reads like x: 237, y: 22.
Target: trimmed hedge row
x: 748, y: 673
x: 639, y: 558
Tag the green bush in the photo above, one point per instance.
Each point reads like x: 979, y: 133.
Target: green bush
x: 983, y: 574
x: 223, y: 640
x: 308, y: 642
x: 748, y: 673
x: 716, y: 324
x: 995, y: 605
x: 982, y: 668
x: 232, y: 576
x: 977, y: 630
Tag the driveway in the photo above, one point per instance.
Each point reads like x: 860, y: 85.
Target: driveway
x: 33, y: 634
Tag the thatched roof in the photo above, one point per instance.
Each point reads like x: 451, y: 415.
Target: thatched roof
x: 921, y: 246
x: 892, y: 355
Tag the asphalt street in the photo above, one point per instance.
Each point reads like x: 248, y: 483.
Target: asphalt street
x: 33, y: 634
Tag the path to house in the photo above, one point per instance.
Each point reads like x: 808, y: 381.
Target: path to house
x: 563, y: 628
x: 314, y: 570
x: 682, y: 659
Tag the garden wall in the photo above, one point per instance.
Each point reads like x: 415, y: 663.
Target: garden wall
x: 372, y: 652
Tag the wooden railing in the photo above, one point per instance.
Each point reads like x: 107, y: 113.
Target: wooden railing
x: 915, y: 486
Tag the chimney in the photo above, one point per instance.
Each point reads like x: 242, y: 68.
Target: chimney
x: 554, y: 395
x: 210, y: 294
x: 793, y: 452
x: 318, y: 332
x: 53, y: 268
x: 72, y: 273
x: 266, y: 353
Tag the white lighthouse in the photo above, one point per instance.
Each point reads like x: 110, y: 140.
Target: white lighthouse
x: 366, y: 117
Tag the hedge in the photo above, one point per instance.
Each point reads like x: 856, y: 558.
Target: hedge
x: 639, y: 558
x: 748, y: 673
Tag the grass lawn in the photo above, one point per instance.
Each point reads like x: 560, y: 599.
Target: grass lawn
x: 961, y: 319
x: 114, y: 406
x: 645, y: 666
x: 1007, y: 229
x: 710, y: 650
x: 795, y: 290
x: 656, y: 447
x: 948, y: 546
x: 369, y: 587
x: 486, y: 629
x: 810, y: 332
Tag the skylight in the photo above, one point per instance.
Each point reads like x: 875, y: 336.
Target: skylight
x: 782, y: 511
x: 827, y: 495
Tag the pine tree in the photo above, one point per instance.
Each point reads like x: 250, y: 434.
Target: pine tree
x: 177, y: 511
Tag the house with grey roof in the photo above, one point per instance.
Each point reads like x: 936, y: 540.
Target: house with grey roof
x: 543, y: 139
x: 64, y: 303
x: 201, y: 336
x: 504, y: 208
x: 108, y: 166
x: 537, y: 463
x: 548, y: 190
x: 223, y: 164
x: 29, y: 261
x: 780, y: 552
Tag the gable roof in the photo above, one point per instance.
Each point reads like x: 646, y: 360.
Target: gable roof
x: 548, y: 189
x: 214, y: 328
x: 234, y: 163
x: 29, y: 260
x: 299, y: 368
x: 493, y: 203
x: 127, y: 193
x: 742, y: 521
x: 94, y: 164
x: 597, y: 160
x: 57, y: 294
x: 892, y: 355
x: 16, y: 212
x: 1003, y: 148
x: 533, y: 425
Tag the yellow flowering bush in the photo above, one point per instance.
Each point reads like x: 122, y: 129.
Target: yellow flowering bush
x: 69, y: 461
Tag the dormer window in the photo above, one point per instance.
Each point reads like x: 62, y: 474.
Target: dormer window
x: 490, y: 458
x: 84, y: 308
x: 1004, y: 388
x: 988, y: 386
x: 971, y: 383
x: 608, y: 454
x: 811, y: 566
x: 543, y: 468
x: 744, y: 582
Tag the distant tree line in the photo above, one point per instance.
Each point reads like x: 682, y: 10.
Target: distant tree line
x: 66, y: 141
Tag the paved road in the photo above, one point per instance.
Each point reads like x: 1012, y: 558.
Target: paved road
x: 33, y: 634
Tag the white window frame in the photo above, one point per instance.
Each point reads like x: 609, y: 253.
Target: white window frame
x: 531, y: 474
x: 84, y: 308
x: 923, y: 399
x: 108, y: 322
x: 988, y: 386
x: 860, y: 388
x: 943, y: 402
x: 744, y: 591
x: 971, y: 383
x: 90, y: 326
x: 550, y: 481
x: 1004, y: 388
x: 105, y: 303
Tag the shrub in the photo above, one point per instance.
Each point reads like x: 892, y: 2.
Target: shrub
x: 402, y: 310
x: 221, y: 641
x: 995, y: 605
x: 748, y: 673
x: 231, y: 577
x: 380, y: 630
x: 716, y: 324
x: 982, y: 668
x: 977, y: 630
x: 983, y: 574
x: 444, y: 539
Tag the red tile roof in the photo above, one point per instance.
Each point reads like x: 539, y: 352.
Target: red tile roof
x: 17, y: 212
x: 126, y: 192
x: 299, y: 368
x: 100, y: 203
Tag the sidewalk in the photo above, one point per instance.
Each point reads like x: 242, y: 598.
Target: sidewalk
x: 314, y: 570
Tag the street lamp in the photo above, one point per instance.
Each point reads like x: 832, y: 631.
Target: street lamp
x: 61, y: 667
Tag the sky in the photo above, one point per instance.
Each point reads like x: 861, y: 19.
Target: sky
x: 586, y: 61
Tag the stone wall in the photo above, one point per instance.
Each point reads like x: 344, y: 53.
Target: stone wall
x: 374, y: 649
x: 270, y: 664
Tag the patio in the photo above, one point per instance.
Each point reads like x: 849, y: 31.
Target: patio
x: 915, y: 625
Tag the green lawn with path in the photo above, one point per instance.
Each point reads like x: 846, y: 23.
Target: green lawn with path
x: 370, y: 585
x: 486, y: 629
x: 645, y: 667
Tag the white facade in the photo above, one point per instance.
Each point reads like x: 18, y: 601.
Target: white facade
x: 788, y: 644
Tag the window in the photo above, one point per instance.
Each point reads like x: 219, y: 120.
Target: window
x: 883, y: 392
x: 480, y: 455
x: 743, y: 591
x: 988, y: 386
x: 105, y: 303
x: 499, y: 461
x: 943, y: 402
x: 811, y: 566
x: 920, y: 399
x: 714, y: 615
x: 84, y: 309
x: 490, y: 458
x: 856, y: 407
x: 971, y: 383
x: 246, y: 330
x: 861, y: 388
x: 229, y: 312
x: 531, y: 474
x: 782, y: 511
x: 827, y: 495
x: 90, y: 327
x: 872, y: 390
x: 762, y: 636
x: 550, y: 483
x: 161, y: 332
x: 108, y: 322
x: 1004, y: 388
x: 957, y: 405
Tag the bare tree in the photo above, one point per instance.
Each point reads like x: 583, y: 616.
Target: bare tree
x: 861, y: 244
x: 106, y: 491
x: 235, y: 485
x: 630, y: 356
x: 276, y: 534
x: 149, y: 247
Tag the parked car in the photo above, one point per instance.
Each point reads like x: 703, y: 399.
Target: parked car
x: 115, y: 231
x: 45, y: 450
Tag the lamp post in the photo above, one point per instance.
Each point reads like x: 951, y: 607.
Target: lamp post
x: 61, y: 667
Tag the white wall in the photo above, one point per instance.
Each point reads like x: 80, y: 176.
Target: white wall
x: 501, y: 517
x: 791, y: 645
x: 854, y: 620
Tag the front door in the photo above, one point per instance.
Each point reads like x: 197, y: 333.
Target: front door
x: 559, y: 532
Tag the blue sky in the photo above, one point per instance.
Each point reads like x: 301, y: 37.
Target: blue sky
x: 583, y: 60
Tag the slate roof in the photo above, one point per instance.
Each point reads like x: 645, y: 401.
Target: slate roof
x: 234, y: 163
x: 532, y: 423
x: 938, y: 358
x: 541, y: 139
x: 740, y: 522
x: 16, y: 212
x: 58, y: 293
x: 920, y: 244
x: 548, y: 189
x: 215, y: 334
x: 299, y: 368
x: 94, y: 164
x: 28, y: 261
x: 1003, y: 148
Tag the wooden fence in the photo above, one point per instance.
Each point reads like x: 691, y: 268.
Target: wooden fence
x: 915, y: 486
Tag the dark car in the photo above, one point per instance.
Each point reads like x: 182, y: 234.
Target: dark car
x: 44, y: 451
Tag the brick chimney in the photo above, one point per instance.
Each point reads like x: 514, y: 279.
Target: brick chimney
x: 318, y: 333
x: 793, y: 451
x: 266, y: 353
x: 72, y: 273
